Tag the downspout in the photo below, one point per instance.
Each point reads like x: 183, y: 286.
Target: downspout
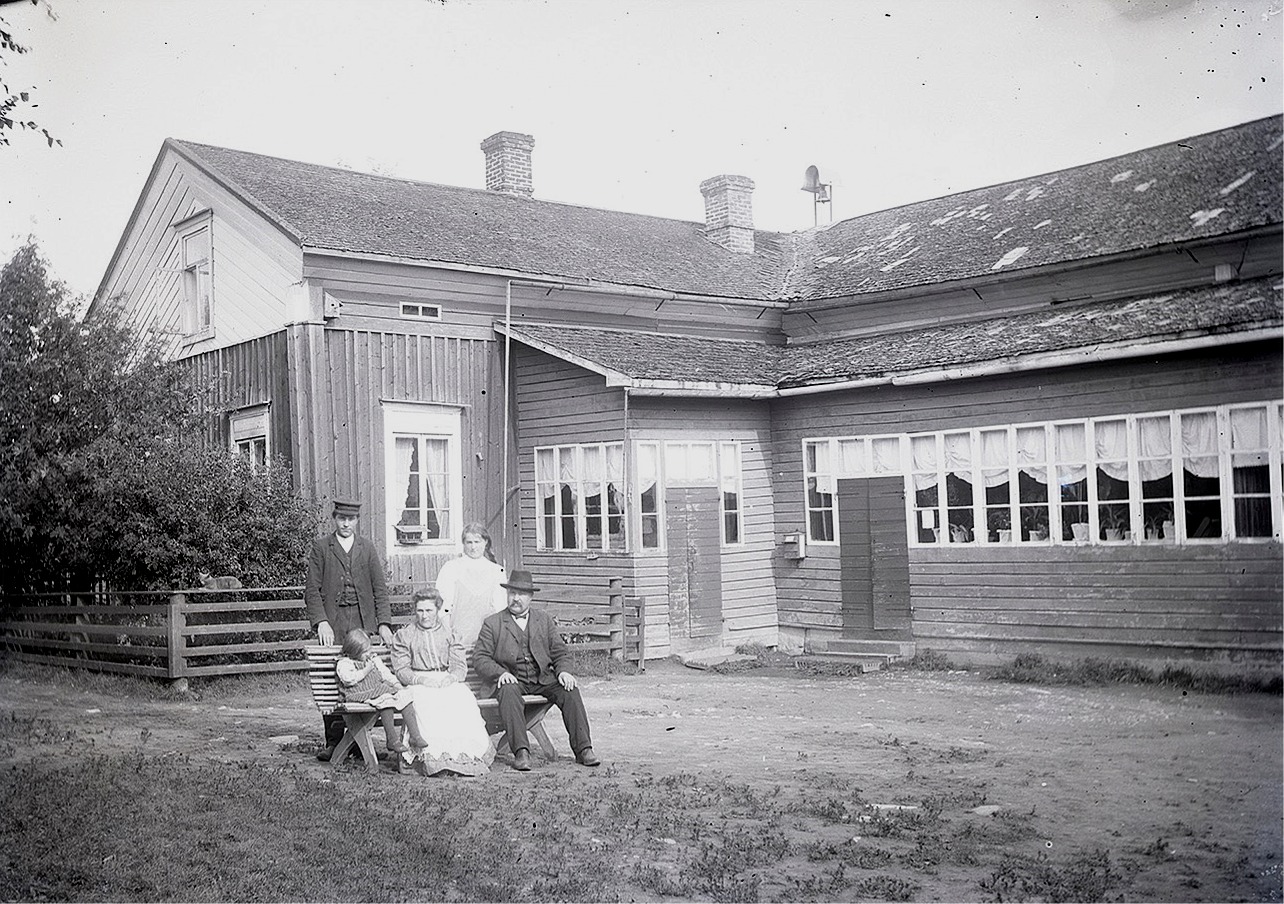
x: 626, y: 461
x: 508, y: 322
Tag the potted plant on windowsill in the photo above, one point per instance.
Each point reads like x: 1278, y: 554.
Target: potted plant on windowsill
x: 1114, y: 521
x: 1034, y: 520
x: 1000, y: 523
x: 1159, y: 526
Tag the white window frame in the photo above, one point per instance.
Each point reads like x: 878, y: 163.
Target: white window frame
x: 731, y: 480
x: 196, y: 279
x: 638, y: 516
x: 420, y: 310
x: 579, y: 454
x: 851, y: 456
x: 248, y: 432
x: 422, y: 421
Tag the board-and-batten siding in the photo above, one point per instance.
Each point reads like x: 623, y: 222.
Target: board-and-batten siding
x: 1192, y: 266
x: 370, y: 293
x: 240, y: 376
x: 340, y: 378
x: 808, y: 592
x: 255, y: 268
x: 748, y: 585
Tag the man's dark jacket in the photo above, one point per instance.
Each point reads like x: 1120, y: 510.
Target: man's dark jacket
x: 325, y: 583
x: 499, y: 647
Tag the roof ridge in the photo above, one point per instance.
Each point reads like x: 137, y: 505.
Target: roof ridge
x: 1056, y: 172
x: 481, y: 192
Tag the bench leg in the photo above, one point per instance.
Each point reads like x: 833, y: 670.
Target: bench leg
x: 357, y: 731
x: 535, y: 726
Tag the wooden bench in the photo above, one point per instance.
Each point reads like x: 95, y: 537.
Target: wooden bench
x: 359, y: 718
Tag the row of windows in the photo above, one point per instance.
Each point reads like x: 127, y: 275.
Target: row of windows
x: 1198, y: 475
x: 582, y: 502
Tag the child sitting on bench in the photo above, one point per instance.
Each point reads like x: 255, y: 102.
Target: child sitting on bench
x: 363, y: 678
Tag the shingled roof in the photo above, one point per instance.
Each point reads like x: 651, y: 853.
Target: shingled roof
x: 1214, y: 184
x: 1218, y: 183
x: 1251, y: 308
x: 345, y: 211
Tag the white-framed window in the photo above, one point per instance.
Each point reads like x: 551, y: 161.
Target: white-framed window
x: 650, y: 496
x: 710, y: 463
x: 196, y: 252
x: 418, y: 310
x: 248, y: 435
x: 1200, y: 475
x: 826, y: 460
x: 422, y: 464
x: 731, y: 482
x: 579, y: 497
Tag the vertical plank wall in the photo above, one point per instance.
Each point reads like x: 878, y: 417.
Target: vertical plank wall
x: 250, y: 373
x: 1089, y: 599
x: 340, y: 378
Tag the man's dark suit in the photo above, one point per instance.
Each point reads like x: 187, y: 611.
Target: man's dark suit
x: 502, y: 648
x: 325, y: 585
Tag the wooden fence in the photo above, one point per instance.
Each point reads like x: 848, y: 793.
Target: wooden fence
x: 201, y: 633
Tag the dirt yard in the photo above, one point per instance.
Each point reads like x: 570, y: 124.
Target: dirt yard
x: 1181, y: 791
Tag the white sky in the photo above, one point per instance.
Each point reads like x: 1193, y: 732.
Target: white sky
x: 632, y: 102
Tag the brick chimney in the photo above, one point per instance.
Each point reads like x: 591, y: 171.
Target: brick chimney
x: 508, y: 163
x: 728, y: 212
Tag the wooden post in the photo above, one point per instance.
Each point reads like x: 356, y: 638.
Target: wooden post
x: 615, y: 607
x: 177, y: 639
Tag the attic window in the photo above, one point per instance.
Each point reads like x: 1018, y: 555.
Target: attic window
x: 198, y: 301
x: 415, y: 310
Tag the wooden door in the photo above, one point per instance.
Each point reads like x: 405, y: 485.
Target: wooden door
x: 874, y: 558
x: 694, y: 541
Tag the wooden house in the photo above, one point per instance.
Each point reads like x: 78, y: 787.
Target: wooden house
x: 1039, y: 416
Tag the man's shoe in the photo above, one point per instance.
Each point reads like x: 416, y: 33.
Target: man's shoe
x: 522, y: 760
x: 587, y: 757
x: 324, y: 755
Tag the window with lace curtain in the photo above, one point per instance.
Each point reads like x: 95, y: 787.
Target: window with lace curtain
x: 579, y: 496
x: 1189, y: 476
x: 424, y: 489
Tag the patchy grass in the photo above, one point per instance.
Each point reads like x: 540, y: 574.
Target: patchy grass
x: 1031, y: 668
x: 1026, y: 668
x: 155, y: 828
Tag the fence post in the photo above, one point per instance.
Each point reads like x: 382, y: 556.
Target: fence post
x: 615, y: 607
x: 178, y: 639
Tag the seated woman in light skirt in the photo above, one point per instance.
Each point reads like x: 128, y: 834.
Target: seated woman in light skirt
x: 428, y: 657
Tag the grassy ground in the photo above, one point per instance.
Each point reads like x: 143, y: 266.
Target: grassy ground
x: 88, y: 820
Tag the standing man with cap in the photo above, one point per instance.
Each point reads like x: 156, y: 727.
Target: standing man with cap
x: 345, y: 589
x: 521, y: 652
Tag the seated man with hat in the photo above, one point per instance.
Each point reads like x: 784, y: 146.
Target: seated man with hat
x: 519, y: 651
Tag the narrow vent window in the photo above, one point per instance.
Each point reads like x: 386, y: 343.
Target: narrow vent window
x: 414, y: 310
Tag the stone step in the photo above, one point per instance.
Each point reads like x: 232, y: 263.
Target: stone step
x: 896, y: 649
x: 867, y: 662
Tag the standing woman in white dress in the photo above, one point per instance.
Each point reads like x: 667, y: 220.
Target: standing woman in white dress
x: 469, y: 585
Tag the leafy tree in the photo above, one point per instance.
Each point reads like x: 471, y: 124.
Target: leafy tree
x: 106, y: 471
x: 15, y: 104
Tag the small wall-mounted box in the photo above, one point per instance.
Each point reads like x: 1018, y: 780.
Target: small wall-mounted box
x: 795, y: 546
